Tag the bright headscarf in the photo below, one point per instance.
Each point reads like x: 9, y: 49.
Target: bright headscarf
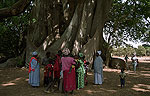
x: 99, y: 52
x: 66, y: 51
x: 81, y: 55
x: 34, y: 53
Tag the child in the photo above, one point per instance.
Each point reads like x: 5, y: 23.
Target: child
x: 122, y: 77
x: 48, y: 74
x: 86, y: 70
x: 48, y: 69
x: 49, y: 77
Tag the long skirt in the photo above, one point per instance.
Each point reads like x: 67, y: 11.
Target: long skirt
x: 80, y: 80
x: 34, y: 78
x: 98, y: 78
x: 69, y: 80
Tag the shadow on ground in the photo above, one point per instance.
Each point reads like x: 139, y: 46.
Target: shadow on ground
x: 14, y: 82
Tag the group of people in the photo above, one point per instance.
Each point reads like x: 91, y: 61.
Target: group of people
x: 65, y: 70
x: 69, y: 72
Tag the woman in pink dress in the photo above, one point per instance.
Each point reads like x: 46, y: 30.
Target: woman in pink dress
x: 69, y: 78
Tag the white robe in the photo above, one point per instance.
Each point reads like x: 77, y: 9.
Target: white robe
x: 98, y: 70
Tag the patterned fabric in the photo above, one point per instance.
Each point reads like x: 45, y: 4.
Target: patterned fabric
x: 81, y: 55
x: 48, y: 74
x: 86, y: 70
x: 80, y: 72
x: 48, y: 70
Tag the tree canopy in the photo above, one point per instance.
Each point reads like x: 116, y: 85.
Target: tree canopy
x: 12, y: 30
x: 129, y: 20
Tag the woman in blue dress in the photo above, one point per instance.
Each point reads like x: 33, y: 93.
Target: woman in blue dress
x: 34, y: 71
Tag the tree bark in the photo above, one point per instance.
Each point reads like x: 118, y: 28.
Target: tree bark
x: 84, y: 32
x: 79, y: 26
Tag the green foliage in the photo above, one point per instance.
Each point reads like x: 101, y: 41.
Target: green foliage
x: 147, y: 47
x: 118, y: 51
x: 128, y: 20
x: 34, y: 20
x: 148, y: 51
x: 11, y: 34
x: 7, y: 3
x: 140, y: 51
x: 13, y: 31
x: 129, y: 51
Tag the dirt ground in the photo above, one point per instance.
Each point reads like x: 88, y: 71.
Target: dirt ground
x: 14, y: 82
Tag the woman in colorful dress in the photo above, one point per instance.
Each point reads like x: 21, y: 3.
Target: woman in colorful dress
x: 69, y: 78
x: 80, y: 72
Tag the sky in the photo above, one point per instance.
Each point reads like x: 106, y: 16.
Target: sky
x: 135, y: 45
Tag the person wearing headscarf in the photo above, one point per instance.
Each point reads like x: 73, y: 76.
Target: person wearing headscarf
x: 98, y: 69
x: 69, y: 78
x: 86, y: 63
x: 80, y: 72
x: 34, y: 71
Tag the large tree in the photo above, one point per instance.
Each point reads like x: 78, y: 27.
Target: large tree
x: 76, y: 24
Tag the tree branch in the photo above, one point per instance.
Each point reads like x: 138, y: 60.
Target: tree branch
x: 15, y: 9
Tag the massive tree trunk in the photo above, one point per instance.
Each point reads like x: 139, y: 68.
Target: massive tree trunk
x: 74, y: 24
